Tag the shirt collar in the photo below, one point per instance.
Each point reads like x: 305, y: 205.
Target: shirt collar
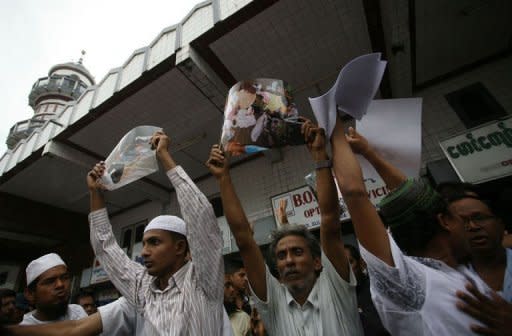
x: 312, y: 297
x: 176, y: 280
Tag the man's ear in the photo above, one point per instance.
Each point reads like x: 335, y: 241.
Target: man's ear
x: 317, y: 262
x: 181, y: 247
x: 441, y: 218
x: 29, y: 295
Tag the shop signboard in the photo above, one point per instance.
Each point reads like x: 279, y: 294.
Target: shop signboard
x: 302, y: 207
x: 483, y: 153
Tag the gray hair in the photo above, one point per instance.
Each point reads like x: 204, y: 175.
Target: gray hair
x: 293, y: 230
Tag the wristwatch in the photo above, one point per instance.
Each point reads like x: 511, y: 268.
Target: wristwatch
x: 323, y: 164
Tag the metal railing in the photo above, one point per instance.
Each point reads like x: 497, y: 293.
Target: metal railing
x: 69, y: 86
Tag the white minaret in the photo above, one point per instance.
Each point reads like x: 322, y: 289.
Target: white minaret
x: 64, y: 83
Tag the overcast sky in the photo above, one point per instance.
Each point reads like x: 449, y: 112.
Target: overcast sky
x: 37, y: 34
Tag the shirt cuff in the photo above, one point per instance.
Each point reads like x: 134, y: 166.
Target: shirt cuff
x: 177, y: 175
x: 98, y: 215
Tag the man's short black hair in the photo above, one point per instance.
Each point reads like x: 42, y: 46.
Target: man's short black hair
x: 6, y: 292
x: 232, y: 266
x: 82, y: 294
x: 454, y: 191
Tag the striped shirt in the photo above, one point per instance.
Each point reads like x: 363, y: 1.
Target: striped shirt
x: 330, y: 309
x: 192, y: 303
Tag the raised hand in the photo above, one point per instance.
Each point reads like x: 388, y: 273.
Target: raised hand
x: 160, y: 141
x: 94, y: 177
x: 217, y: 162
x: 315, y: 140
x: 357, y: 142
x: 494, y: 312
x: 281, y: 211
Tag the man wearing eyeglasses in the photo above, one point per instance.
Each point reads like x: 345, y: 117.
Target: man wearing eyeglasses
x: 489, y: 259
x: 485, y: 231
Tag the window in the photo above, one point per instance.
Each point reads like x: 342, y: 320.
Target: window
x: 217, y: 206
x: 132, y: 235
x: 475, y: 105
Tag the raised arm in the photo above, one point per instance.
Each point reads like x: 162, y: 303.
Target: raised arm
x: 330, y: 226
x: 368, y: 226
x: 88, y: 326
x: 121, y: 270
x: 203, y: 232
x: 391, y: 175
x: 238, y: 223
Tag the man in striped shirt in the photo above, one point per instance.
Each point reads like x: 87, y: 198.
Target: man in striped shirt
x: 174, y: 295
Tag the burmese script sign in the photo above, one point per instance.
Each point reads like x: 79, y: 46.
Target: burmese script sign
x: 483, y: 153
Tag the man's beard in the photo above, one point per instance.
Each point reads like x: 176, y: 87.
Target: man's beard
x: 55, y: 310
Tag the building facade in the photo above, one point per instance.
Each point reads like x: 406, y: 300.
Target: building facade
x: 435, y: 50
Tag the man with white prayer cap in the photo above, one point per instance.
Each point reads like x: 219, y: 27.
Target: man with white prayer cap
x: 175, y: 295
x: 48, y: 288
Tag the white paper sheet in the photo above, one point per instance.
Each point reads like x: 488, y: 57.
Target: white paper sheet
x: 352, y: 93
x: 393, y: 128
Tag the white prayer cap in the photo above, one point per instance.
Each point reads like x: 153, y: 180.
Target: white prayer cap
x: 168, y: 223
x: 41, y: 265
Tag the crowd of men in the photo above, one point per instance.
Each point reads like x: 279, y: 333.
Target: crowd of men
x: 432, y: 262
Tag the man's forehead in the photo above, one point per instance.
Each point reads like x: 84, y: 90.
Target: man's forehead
x: 54, y: 272
x: 156, y: 233
x: 291, y: 241
x: 468, y: 205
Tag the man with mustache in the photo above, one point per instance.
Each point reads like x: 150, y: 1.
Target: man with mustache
x: 48, y: 288
x: 315, y: 293
x: 485, y: 230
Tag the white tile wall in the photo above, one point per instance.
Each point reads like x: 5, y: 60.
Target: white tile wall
x: 440, y: 121
x: 105, y: 89
x: 199, y: 22
x: 132, y: 70
x: 162, y: 49
x: 228, y: 7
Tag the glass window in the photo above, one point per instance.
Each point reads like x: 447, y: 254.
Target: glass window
x: 475, y: 105
x: 68, y: 83
x: 127, y: 239
x: 139, y: 233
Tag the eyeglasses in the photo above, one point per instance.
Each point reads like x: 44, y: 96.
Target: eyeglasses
x: 479, y: 220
